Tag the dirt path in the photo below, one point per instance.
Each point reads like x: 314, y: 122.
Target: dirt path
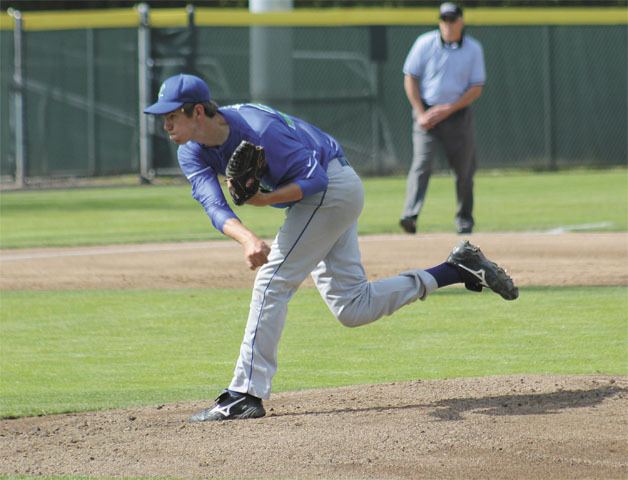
x: 515, y: 427
x: 533, y: 259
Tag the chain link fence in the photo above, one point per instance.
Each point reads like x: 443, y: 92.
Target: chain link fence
x: 556, y: 95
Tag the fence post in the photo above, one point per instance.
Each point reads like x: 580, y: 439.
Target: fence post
x: 547, y: 98
x: 144, y: 78
x: 91, y: 103
x: 191, y: 61
x: 271, y: 49
x: 18, y: 87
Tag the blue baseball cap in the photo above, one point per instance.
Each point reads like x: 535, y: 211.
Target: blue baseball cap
x: 177, y: 90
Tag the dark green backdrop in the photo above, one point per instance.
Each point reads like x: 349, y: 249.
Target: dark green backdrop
x: 555, y: 96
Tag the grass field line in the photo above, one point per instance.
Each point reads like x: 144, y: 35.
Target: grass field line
x: 579, y: 228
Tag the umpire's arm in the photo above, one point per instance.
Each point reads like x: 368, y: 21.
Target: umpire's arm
x: 470, y: 96
x: 413, y: 92
x: 438, y: 113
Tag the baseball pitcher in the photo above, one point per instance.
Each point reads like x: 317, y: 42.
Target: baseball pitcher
x: 270, y: 158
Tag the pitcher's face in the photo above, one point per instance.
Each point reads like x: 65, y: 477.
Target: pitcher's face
x: 179, y: 127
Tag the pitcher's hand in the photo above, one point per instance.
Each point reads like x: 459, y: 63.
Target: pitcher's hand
x: 256, y: 253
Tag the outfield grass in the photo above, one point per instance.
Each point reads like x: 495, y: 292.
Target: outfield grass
x: 86, y: 350
x: 504, y: 202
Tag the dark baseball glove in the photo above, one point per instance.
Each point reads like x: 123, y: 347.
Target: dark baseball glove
x: 244, y: 171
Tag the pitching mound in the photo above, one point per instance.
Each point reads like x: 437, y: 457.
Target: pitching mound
x: 499, y: 427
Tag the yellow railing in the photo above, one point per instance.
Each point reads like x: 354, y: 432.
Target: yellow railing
x: 169, y: 17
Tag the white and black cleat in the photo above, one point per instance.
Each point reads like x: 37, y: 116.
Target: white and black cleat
x: 478, y: 272
x: 231, y: 406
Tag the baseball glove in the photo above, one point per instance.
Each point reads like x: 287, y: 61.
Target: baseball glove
x: 244, y: 171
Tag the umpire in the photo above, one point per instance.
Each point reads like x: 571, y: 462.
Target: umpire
x: 443, y: 74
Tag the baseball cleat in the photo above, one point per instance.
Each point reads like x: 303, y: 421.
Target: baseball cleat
x: 231, y: 406
x: 408, y: 225
x: 478, y: 272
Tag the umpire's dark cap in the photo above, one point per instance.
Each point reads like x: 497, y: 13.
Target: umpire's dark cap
x: 450, y: 10
x: 177, y: 90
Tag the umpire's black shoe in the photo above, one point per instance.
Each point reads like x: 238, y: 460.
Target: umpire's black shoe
x: 477, y: 271
x: 408, y: 225
x: 229, y: 406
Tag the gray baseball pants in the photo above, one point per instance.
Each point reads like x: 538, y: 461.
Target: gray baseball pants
x: 319, y: 237
x: 456, y: 135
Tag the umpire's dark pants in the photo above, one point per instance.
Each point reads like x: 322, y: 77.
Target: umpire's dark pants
x: 456, y: 135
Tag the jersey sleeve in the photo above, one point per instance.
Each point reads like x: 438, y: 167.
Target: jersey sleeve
x: 205, y: 186
x: 300, y: 159
x: 312, y: 178
x: 413, y: 65
x: 478, y: 72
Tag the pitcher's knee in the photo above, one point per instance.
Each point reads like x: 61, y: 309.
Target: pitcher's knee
x: 351, y: 318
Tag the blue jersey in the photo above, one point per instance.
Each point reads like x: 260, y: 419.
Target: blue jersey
x: 296, y: 152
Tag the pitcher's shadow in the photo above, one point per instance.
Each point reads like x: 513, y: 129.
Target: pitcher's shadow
x: 526, y: 404
x: 514, y: 404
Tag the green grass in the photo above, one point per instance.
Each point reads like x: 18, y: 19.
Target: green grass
x: 516, y: 201
x: 73, y: 351
x: 521, y: 201
x: 86, y: 350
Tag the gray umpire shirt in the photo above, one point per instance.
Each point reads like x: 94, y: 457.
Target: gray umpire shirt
x: 445, y: 71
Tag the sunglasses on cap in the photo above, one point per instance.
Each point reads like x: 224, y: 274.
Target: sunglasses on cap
x: 449, y: 18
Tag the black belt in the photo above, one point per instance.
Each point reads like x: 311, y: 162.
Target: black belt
x: 343, y: 161
x: 427, y: 106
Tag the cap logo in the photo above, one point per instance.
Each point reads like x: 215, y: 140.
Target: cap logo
x: 177, y: 90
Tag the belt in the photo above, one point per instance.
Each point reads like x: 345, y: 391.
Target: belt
x: 338, y: 162
x: 428, y: 106
x: 342, y: 161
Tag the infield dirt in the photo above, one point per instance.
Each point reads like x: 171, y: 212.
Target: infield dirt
x: 509, y: 427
